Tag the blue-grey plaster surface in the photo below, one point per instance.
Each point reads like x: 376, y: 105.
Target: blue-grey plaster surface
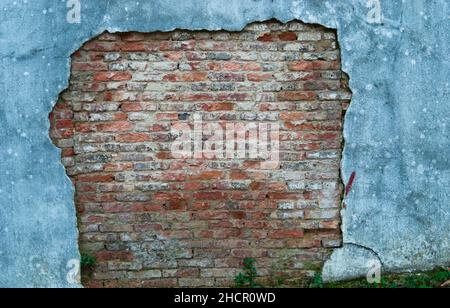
x: 396, y: 131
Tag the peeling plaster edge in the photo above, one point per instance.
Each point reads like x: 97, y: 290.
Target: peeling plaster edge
x: 49, y: 108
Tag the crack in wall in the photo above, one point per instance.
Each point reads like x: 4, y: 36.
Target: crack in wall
x: 366, y: 248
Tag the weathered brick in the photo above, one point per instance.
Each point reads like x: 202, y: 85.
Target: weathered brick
x: 288, y: 36
x: 133, y: 137
x: 226, y: 77
x: 112, y: 76
x: 259, y: 77
x: 154, y: 219
x: 115, y: 127
x: 296, y: 96
x: 96, y: 178
x: 143, y: 275
x: 287, y: 234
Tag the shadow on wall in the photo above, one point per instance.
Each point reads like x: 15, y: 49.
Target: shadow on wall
x: 166, y: 137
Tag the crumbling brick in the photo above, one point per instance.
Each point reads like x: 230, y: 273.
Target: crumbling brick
x: 154, y: 220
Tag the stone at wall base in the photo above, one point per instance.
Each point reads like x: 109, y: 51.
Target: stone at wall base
x: 350, y: 262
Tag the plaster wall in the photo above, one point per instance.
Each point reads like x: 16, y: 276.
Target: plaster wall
x: 396, y: 129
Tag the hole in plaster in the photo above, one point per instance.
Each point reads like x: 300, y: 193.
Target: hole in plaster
x: 152, y: 219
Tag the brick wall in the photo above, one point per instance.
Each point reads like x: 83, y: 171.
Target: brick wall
x: 154, y: 219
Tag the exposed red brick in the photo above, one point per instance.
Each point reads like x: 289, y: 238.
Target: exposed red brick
x: 129, y: 107
x: 115, y: 127
x: 166, y: 116
x: 287, y: 234
x: 288, y: 36
x: 153, y: 219
x: 64, y: 124
x: 96, y: 178
x: 207, y: 175
x: 132, y: 137
x: 112, y: 76
x: 114, y: 255
x: 289, y: 116
x: 314, y: 65
x: 259, y: 77
x: 266, y: 37
x: 118, y: 167
x: 132, y: 37
x: 218, y: 107
x: 94, y: 66
x: 296, y: 96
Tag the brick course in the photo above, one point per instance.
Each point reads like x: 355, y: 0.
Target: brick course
x: 153, y: 220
